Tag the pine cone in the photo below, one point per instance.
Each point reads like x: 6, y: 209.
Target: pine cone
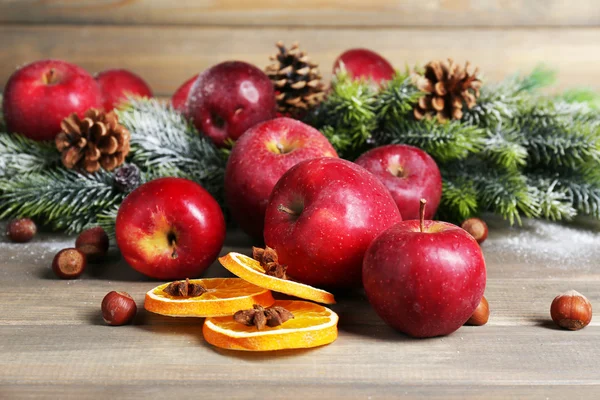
x: 297, y: 81
x: 449, y: 87
x: 95, y: 141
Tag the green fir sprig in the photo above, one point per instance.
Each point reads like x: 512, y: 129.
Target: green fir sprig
x: 163, y: 143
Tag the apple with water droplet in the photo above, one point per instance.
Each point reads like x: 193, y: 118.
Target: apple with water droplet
x: 365, y: 64
x: 38, y: 96
x: 118, y: 84
x: 170, y: 228
x: 229, y: 98
x: 424, y: 278
x: 321, y: 217
x: 409, y: 173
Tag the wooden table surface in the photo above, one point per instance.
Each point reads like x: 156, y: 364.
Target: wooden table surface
x: 54, y: 344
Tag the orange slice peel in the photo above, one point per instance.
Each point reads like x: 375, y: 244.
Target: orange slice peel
x: 224, y: 296
x: 251, y: 271
x: 313, y: 325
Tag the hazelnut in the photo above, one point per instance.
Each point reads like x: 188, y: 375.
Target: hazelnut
x: 21, y: 230
x: 93, y: 243
x: 69, y: 263
x: 571, y: 310
x: 477, y: 228
x: 118, y: 308
x: 481, y: 314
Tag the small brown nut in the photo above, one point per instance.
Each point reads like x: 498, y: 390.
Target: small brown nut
x: 69, y: 263
x: 481, y: 314
x: 21, y: 230
x: 477, y: 228
x: 93, y: 243
x: 571, y: 310
x: 118, y: 308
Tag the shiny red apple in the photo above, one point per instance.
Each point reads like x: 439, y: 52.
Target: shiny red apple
x: 179, y: 99
x: 170, y: 228
x: 229, y: 98
x: 410, y: 175
x: 424, y: 278
x: 259, y: 158
x: 363, y: 63
x: 118, y: 84
x: 322, y: 216
x: 38, y: 96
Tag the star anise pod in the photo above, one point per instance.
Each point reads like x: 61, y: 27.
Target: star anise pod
x: 260, y: 317
x: 184, y: 289
x: 269, y: 260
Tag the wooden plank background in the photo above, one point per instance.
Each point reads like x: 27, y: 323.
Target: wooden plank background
x: 166, y: 42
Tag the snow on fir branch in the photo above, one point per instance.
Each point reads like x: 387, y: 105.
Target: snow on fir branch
x: 35, y: 184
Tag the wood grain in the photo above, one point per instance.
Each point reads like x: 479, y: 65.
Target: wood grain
x: 55, y: 345
x: 167, y: 56
x: 374, y: 13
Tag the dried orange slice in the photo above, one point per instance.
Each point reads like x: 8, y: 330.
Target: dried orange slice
x: 224, y: 296
x: 313, y: 325
x: 250, y: 270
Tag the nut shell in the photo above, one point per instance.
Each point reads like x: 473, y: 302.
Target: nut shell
x: 118, y: 308
x: 571, y: 310
x: 21, y: 230
x: 481, y: 314
x: 93, y: 243
x: 476, y: 228
x: 69, y: 263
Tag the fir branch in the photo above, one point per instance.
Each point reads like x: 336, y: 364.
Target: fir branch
x: 505, y: 147
x: 347, y: 116
x: 585, y: 96
x: 162, y: 137
x: 443, y: 141
x: 64, y: 199
x: 559, y: 135
x: 583, y: 189
x: 459, y: 200
x: 554, y: 200
x: 396, y: 100
x: 539, y: 78
x: 20, y: 155
x: 495, y: 104
x: 501, y: 191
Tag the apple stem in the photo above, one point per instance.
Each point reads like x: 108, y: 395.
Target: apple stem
x: 174, y: 254
x: 285, y: 209
x: 422, y: 215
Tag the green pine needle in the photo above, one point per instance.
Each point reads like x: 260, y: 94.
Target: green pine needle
x: 19, y: 155
x: 459, y: 200
x: 506, y: 148
x: 348, y: 116
x: 64, y: 199
x: 443, y: 141
x: 396, y: 100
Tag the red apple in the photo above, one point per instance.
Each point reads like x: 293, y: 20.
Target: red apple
x: 38, y: 96
x: 409, y: 173
x: 259, y: 158
x: 118, y: 84
x: 170, y: 228
x: 321, y: 217
x: 229, y: 98
x: 363, y: 63
x: 424, y: 278
x: 179, y: 99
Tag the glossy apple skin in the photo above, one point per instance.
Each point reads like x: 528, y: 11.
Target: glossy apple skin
x: 409, y: 173
x: 35, y: 106
x: 117, y: 84
x: 179, y: 99
x: 342, y: 208
x: 256, y: 164
x: 164, y: 208
x: 424, y: 284
x: 229, y: 98
x: 363, y: 63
